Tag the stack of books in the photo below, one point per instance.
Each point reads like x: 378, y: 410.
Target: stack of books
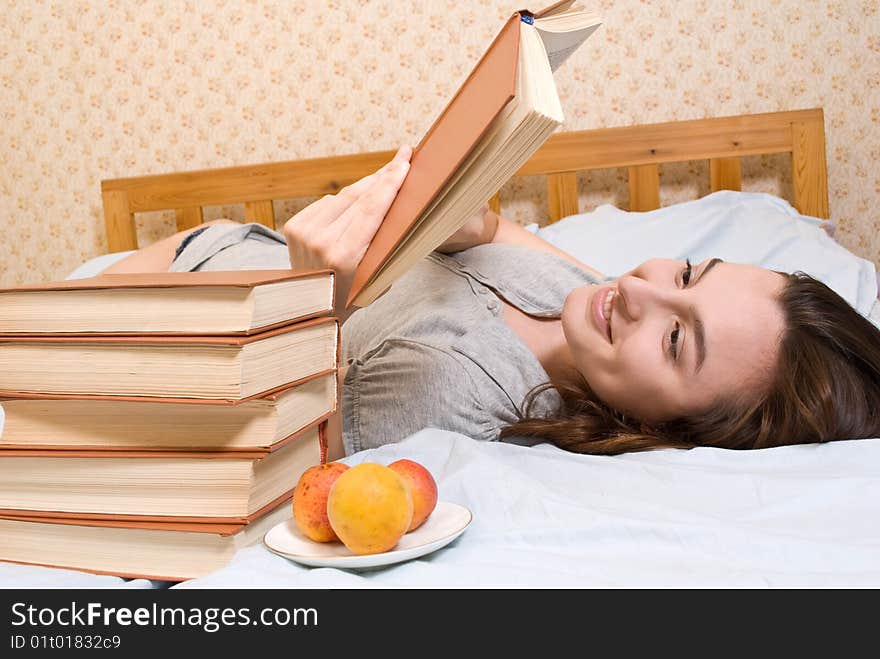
x: 153, y: 424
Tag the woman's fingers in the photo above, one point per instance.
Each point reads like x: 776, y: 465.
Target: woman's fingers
x: 335, y: 231
x: 363, y: 218
x: 329, y: 208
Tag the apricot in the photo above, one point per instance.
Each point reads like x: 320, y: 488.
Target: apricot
x: 370, y: 508
x: 310, y: 501
x: 422, y: 486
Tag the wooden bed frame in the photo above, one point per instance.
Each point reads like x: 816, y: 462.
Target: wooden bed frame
x: 641, y: 149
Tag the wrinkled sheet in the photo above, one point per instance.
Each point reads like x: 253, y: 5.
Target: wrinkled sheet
x: 33, y: 576
x: 795, y: 516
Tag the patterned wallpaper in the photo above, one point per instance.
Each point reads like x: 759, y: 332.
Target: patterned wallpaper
x: 95, y: 89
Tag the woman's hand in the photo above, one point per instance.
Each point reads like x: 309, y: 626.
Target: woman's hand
x: 335, y: 231
x: 479, y: 229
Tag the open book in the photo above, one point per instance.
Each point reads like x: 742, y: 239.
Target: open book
x: 503, y: 112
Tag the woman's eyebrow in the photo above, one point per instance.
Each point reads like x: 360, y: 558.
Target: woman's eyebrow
x: 699, y: 328
x: 700, y: 340
x: 711, y: 264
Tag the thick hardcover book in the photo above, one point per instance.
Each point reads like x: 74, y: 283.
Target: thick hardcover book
x: 258, y: 424
x: 197, y: 303
x: 505, y: 109
x: 167, y: 551
x: 196, y: 369
x: 155, y: 486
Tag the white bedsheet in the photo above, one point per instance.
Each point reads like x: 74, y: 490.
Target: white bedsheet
x: 796, y: 516
x: 32, y: 576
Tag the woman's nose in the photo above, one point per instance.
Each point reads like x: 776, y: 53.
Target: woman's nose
x: 638, y: 295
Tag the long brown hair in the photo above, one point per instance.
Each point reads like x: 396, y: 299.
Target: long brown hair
x: 825, y: 386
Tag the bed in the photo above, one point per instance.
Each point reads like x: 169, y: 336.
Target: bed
x: 797, y: 516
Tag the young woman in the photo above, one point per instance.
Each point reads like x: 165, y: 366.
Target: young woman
x: 500, y: 335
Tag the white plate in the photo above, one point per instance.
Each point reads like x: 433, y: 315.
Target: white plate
x: 445, y: 524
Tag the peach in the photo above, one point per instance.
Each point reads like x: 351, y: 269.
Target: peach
x: 423, y: 489
x: 310, y: 501
x: 370, y: 508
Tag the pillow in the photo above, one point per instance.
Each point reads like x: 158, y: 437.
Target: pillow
x: 97, y: 265
x: 874, y: 316
x: 742, y: 227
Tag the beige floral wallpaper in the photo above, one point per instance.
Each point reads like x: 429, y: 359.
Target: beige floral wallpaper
x: 95, y: 89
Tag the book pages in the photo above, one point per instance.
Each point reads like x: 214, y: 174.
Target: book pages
x: 560, y: 40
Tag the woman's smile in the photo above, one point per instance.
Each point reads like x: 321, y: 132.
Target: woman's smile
x: 602, y: 309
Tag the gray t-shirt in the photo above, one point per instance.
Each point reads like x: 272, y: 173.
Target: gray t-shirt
x: 434, y: 351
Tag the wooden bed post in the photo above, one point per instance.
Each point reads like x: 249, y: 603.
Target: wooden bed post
x: 562, y: 195
x: 188, y: 218
x: 119, y: 221
x: 495, y: 203
x: 644, y: 188
x: 809, y: 174
x: 260, y: 211
x: 725, y: 174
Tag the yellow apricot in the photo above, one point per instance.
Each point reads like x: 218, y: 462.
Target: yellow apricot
x: 369, y: 508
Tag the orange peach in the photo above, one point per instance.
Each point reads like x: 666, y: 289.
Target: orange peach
x: 422, y: 486
x: 310, y: 500
x: 369, y: 508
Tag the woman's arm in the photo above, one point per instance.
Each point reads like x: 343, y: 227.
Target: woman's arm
x: 158, y: 256
x: 512, y: 233
x: 489, y: 227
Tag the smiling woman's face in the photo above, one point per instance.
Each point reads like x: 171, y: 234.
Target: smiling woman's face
x: 665, y: 340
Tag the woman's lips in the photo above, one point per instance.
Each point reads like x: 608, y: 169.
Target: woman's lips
x: 597, y: 306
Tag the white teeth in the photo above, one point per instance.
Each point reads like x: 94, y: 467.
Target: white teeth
x: 607, y: 310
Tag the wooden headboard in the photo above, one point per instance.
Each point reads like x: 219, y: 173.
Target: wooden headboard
x: 641, y: 149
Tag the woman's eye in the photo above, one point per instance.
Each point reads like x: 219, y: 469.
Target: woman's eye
x: 673, y: 341
x: 686, y: 275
